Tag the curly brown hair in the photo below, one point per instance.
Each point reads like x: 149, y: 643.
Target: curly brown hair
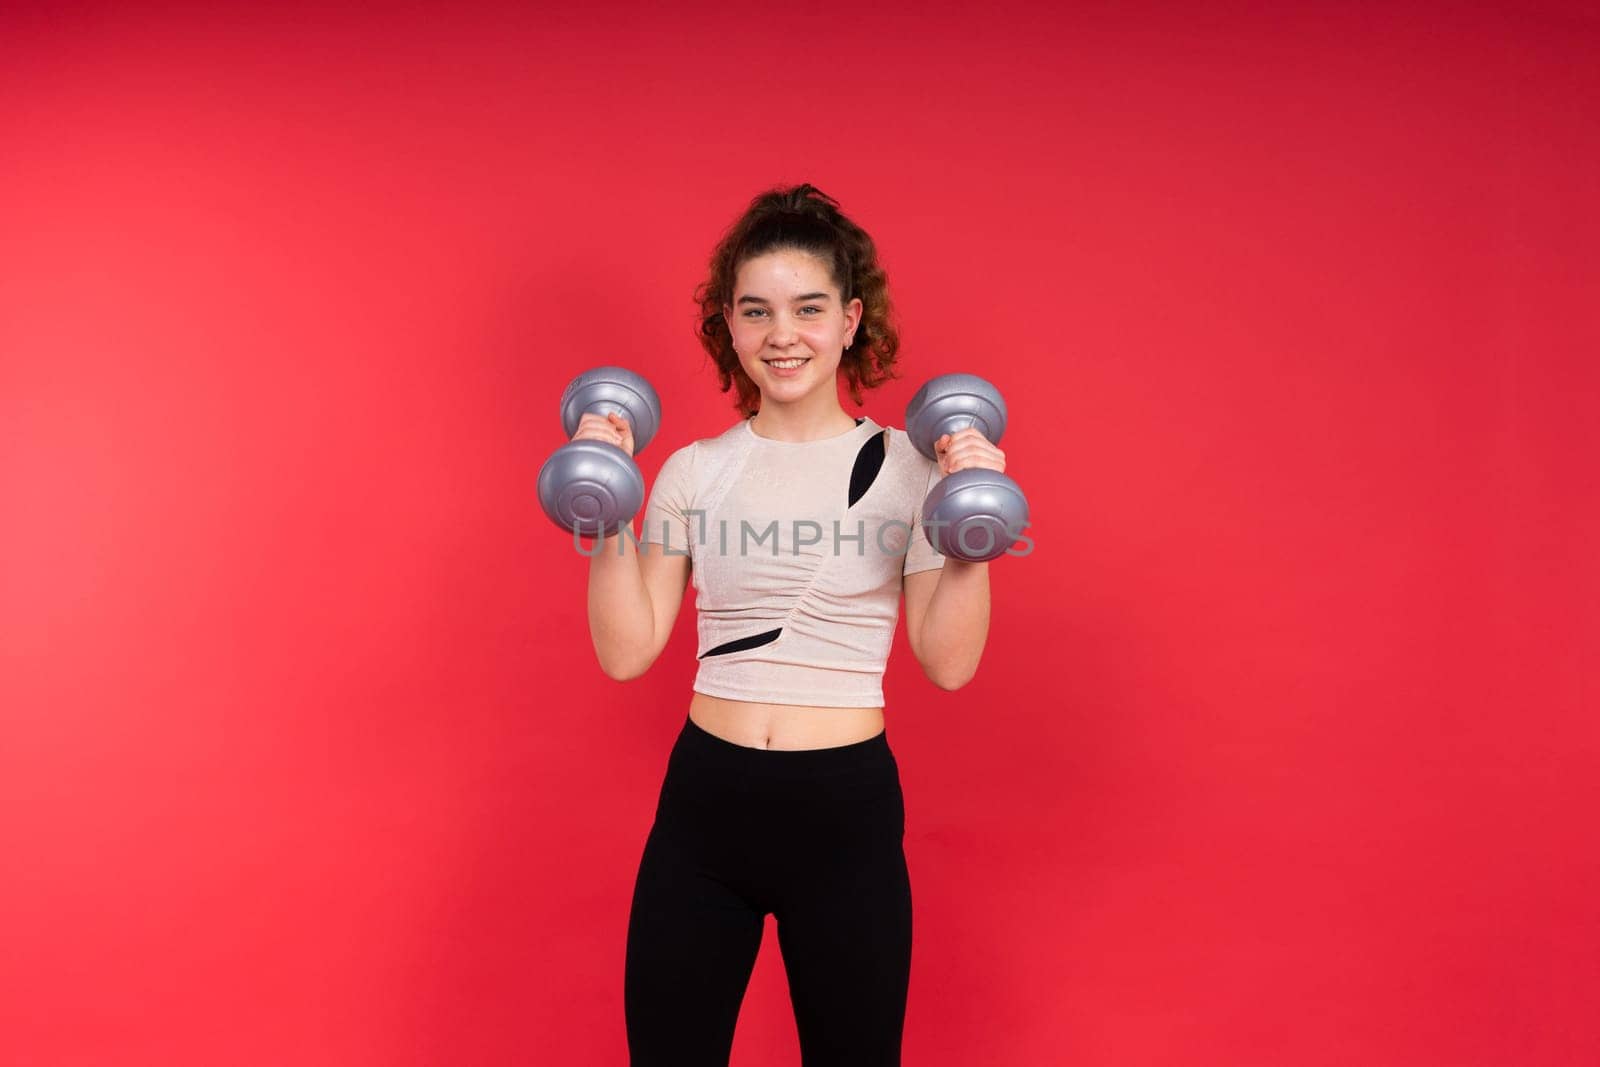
x: 801, y: 218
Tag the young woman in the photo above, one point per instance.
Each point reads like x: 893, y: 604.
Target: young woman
x: 800, y: 526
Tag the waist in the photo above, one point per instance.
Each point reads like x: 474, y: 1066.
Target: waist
x: 703, y: 765
x: 783, y: 726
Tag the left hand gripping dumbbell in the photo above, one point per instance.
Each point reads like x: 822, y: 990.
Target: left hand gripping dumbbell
x: 973, y: 514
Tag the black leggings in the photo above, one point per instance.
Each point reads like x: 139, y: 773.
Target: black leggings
x: 813, y: 836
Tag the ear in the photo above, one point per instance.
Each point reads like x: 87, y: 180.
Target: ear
x: 852, y: 314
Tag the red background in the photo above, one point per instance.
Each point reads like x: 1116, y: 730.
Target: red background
x: 1283, y: 750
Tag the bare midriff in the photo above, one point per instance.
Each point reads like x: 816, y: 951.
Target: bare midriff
x: 783, y: 726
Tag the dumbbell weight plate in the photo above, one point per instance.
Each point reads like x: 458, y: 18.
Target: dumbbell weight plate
x: 951, y: 402
x: 603, y: 390
x: 974, y: 514
x: 590, y: 486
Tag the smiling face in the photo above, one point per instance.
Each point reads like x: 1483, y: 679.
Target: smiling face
x: 789, y: 324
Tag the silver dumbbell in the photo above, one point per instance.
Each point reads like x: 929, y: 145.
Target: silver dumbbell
x: 972, y: 514
x: 593, y: 487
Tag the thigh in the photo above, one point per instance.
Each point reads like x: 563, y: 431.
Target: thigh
x: 692, y: 942
x: 845, y: 934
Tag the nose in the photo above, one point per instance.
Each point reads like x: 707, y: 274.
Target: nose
x: 782, y: 333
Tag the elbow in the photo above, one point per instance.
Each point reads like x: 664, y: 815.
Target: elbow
x: 624, y: 670
x: 617, y: 674
x: 949, y: 681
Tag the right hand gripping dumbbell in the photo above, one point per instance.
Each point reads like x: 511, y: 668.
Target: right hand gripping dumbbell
x: 973, y: 514
x: 593, y: 487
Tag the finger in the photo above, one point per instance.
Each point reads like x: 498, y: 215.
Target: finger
x: 970, y: 450
x: 978, y: 447
x: 970, y: 458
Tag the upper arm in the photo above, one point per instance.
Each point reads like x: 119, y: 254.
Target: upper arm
x: 920, y: 555
x: 918, y: 589
x: 922, y: 565
x: 664, y: 562
x: 665, y: 578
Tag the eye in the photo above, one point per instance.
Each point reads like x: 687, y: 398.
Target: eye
x: 751, y: 313
x: 812, y: 307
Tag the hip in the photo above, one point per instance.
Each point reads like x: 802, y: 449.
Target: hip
x: 837, y: 801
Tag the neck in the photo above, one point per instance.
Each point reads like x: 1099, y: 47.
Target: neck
x: 811, y: 418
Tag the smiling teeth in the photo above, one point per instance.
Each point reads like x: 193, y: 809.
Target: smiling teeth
x: 786, y: 364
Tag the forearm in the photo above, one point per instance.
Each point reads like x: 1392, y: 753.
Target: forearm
x: 621, y: 623
x: 956, y: 624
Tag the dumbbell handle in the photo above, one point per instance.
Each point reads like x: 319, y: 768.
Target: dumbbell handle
x: 955, y: 423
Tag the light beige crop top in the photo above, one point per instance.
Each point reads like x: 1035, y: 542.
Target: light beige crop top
x: 797, y: 549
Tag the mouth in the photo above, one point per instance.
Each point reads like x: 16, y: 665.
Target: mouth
x: 787, y: 364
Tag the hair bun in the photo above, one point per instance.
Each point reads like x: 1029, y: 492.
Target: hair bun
x: 806, y: 200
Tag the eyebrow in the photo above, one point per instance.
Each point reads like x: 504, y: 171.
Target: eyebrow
x: 802, y: 296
